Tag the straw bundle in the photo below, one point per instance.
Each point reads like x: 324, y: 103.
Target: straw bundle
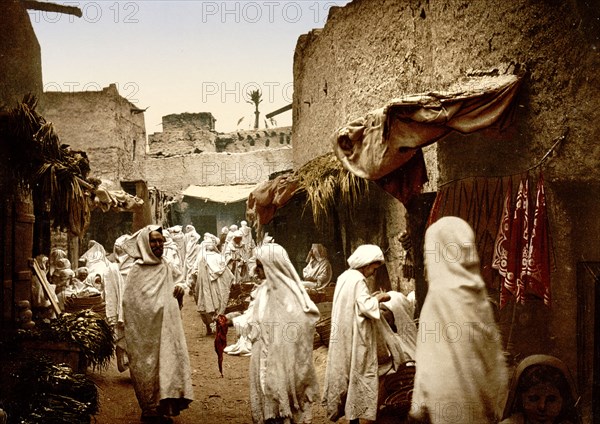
x: 327, y: 185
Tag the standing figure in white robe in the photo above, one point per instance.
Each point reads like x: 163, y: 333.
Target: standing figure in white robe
x: 351, y: 377
x: 461, y: 374
x: 157, y: 349
x: 247, y: 238
x: 232, y: 229
x: 178, y: 238
x: 283, y: 381
x: 124, y: 263
x: 242, y: 323
x: 213, y: 283
x: 192, y: 248
x: 171, y: 252
x: 96, y: 262
x: 235, y: 257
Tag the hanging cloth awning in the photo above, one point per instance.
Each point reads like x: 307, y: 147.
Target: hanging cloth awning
x: 220, y: 194
x: 269, y: 196
x: 117, y: 200
x: 377, y: 145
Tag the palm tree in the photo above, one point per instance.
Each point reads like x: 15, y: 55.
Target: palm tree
x: 255, y: 98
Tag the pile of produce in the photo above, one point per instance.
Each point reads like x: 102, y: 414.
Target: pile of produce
x: 86, y: 329
x: 51, y: 394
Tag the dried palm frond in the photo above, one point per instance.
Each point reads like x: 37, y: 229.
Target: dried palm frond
x: 327, y: 185
x: 38, y: 160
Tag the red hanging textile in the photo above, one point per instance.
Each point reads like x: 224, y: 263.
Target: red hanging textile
x: 512, y: 284
x: 477, y: 200
x: 525, y: 237
x: 502, y: 243
x: 537, y: 264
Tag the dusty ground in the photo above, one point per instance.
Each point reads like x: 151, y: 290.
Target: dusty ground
x: 217, y: 400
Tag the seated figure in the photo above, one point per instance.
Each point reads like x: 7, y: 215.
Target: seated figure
x: 317, y: 273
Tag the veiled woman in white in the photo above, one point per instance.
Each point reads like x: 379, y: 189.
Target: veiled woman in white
x: 283, y: 382
x: 461, y: 374
x: 213, y: 282
x: 156, y: 345
x: 96, y: 261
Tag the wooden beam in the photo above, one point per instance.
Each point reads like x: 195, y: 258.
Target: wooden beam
x: 278, y: 111
x: 52, y: 7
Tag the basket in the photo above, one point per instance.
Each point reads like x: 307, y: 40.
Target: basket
x: 316, y: 341
x: 323, y: 328
x: 399, y: 387
x: 236, y: 307
x: 324, y: 294
x: 77, y: 304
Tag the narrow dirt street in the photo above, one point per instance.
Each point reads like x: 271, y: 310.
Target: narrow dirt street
x: 217, y: 400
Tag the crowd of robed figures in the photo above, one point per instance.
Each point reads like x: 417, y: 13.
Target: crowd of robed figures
x: 461, y: 373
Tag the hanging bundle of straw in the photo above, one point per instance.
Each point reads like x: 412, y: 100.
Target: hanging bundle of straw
x: 327, y: 185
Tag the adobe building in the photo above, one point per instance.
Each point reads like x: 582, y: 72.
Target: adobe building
x: 112, y: 131
x: 108, y: 126
x: 370, y: 52
x: 190, y: 152
x: 210, y: 174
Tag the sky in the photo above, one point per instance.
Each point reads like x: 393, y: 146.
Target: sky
x: 180, y: 56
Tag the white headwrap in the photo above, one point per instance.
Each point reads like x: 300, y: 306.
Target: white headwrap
x: 138, y: 246
x: 364, y: 255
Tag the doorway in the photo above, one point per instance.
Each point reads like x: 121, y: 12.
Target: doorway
x: 205, y: 224
x: 588, y: 345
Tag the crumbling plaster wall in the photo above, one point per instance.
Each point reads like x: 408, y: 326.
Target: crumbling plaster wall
x: 372, y: 51
x: 175, y: 173
x: 103, y: 124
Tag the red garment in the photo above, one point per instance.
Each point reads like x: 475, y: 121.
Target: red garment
x: 512, y: 285
x: 221, y: 340
x: 536, y: 276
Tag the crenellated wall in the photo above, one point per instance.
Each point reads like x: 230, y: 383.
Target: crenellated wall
x: 192, y: 133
